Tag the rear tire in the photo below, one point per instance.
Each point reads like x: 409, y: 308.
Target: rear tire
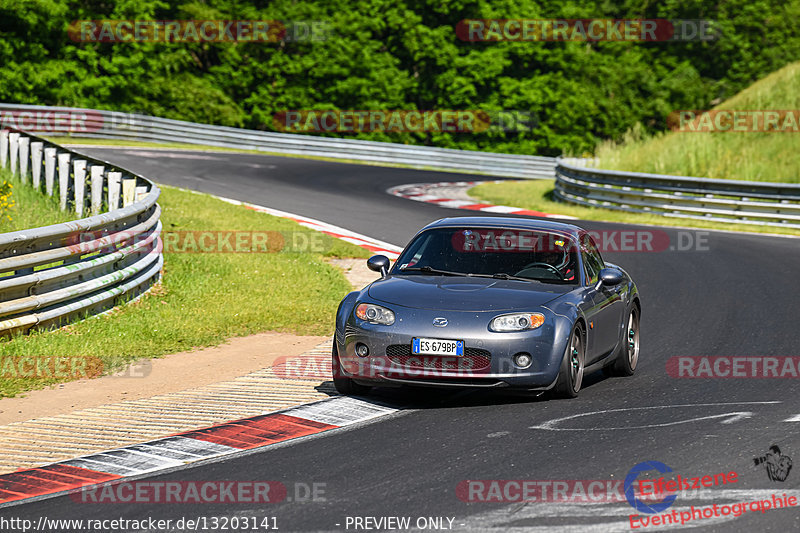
x: 343, y: 384
x: 570, y: 376
x: 628, y: 353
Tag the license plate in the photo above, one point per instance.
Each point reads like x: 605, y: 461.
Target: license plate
x: 437, y: 347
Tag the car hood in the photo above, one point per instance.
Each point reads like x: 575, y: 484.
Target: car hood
x: 449, y: 293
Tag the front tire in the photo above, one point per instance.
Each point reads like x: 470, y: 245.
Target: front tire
x: 628, y: 355
x: 570, y: 376
x: 343, y: 384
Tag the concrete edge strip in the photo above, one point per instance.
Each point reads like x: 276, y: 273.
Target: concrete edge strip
x: 188, y: 447
x: 427, y: 192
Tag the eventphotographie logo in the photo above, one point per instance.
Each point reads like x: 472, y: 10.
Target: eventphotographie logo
x: 775, y: 463
x: 631, y: 495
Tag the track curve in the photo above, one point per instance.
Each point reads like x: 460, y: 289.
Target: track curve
x: 735, y: 296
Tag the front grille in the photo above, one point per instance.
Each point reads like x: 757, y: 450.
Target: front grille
x: 398, y: 350
x: 462, y: 381
x: 472, y: 360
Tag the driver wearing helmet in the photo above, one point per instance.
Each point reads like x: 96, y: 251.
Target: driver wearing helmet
x: 559, y: 259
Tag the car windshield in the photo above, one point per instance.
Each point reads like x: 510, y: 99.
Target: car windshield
x: 491, y: 252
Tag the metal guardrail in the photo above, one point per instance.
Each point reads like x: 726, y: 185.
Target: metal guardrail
x: 730, y: 201
x: 53, y: 274
x: 771, y: 204
x: 134, y: 127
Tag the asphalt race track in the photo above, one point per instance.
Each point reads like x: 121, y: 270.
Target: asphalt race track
x: 734, y: 295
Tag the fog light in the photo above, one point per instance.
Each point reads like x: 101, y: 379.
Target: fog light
x: 361, y: 350
x: 523, y: 360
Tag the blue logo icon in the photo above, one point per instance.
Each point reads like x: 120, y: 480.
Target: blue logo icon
x: 630, y: 494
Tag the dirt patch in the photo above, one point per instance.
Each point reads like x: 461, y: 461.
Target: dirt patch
x: 356, y: 271
x: 175, y: 372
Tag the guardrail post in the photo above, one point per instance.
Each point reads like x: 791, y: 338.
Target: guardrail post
x: 63, y: 179
x: 131, y: 126
x: 96, y: 172
x: 114, y: 182
x: 24, y: 154
x: 79, y: 174
x: 3, y: 148
x: 141, y: 192
x: 75, y: 287
x: 128, y: 191
x: 13, y: 147
x: 49, y: 170
x: 36, y: 164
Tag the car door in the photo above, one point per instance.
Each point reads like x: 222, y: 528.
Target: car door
x: 606, y: 317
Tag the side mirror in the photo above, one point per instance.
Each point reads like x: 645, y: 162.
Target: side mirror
x: 609, y: 277
x: 379, y: 263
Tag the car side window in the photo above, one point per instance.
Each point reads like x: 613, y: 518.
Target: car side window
x: 592, y: 261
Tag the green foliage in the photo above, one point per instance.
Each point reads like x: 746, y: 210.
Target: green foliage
x: 6, y: 201
x: 399, y: 54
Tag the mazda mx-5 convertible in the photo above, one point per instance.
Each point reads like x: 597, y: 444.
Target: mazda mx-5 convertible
x: 493, y: 303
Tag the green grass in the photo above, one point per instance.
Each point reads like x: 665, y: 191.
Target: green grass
x: 203, y: 299
x: 537, y: 195
x: 30, y: 208
x: 732, y: 155
x: 70, y: 140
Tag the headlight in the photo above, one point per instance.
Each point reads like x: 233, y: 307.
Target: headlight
x: 375, y: 314
x: 516, y: 322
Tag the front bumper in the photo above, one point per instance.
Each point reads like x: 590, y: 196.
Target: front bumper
x: 487, y: 361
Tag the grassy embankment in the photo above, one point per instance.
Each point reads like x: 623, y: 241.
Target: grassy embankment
x: 728, y: 155
x: 203, y: 298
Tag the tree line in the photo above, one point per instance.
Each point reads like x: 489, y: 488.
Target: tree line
x: 544, y: 97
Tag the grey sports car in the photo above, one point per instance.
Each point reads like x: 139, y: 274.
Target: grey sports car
x: 489, y: 302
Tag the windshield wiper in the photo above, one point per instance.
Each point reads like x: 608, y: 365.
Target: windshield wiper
x: 498, y: 275
x: 503, y: 275
x: 432, y: 270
